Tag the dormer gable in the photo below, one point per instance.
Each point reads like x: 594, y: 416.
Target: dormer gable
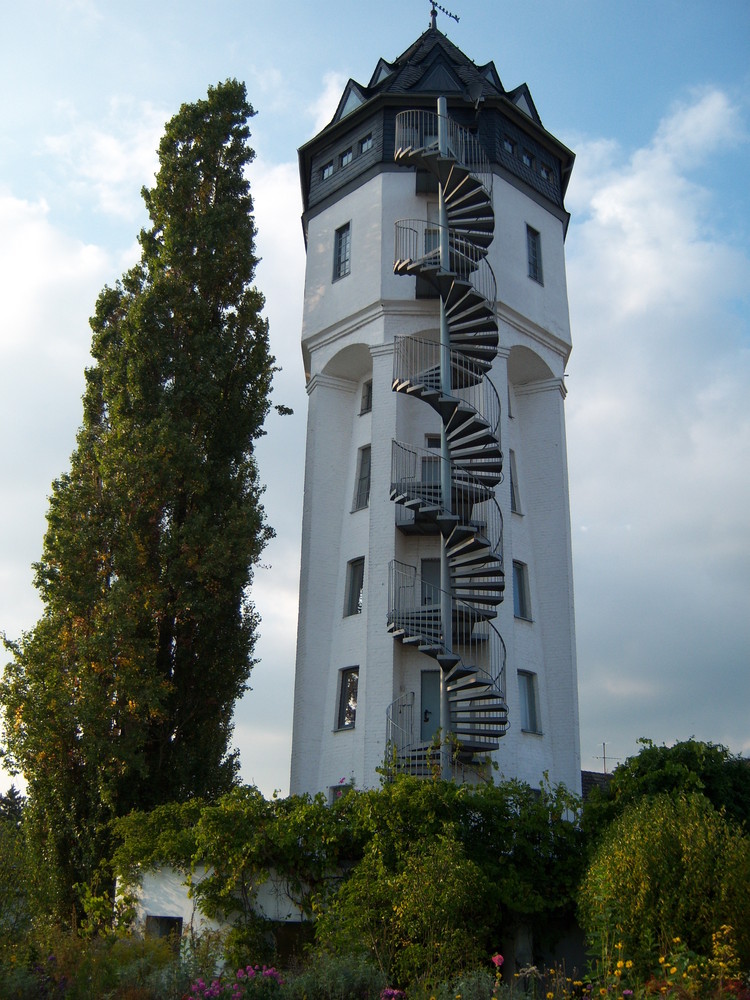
x: 491, y: 75
x: 352, y: 98
x: 382, y: 71
x: 522, y: 99
x: 439, y: 78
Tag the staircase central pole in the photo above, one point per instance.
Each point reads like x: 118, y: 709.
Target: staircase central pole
x: 446, y: 608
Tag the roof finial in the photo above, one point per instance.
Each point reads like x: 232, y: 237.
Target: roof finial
x: 433, y: 14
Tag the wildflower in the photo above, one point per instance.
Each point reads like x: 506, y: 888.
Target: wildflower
x: 550, y: 996
x: 602, y: 991
x: 621, y: 964
x: 662, y: 960
x: 629, y: 965
x: 673, y: 970
x: 497, y: 960
x: 675, y: 940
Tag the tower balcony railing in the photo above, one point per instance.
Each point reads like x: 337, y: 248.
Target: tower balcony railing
x: 414, y: 609
x: 419, y: 130
x: 417, y: 247
x: 416, y: 477
x: 417, y: 361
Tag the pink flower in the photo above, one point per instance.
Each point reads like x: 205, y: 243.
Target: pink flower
x: 497, y: 960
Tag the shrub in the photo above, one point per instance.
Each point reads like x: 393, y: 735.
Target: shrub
x: 667, y: 868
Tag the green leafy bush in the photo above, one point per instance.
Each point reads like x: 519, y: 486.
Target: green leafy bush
x: 669, y: 867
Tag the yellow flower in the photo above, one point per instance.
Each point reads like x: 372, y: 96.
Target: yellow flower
x: 673, y: 970
x: 621, y: 964
x: 618, y: 972
x: 675, y: 941
x: 550, y: 996
x: 662, y: 960
x: 629, y: 964
x: 603, y: 991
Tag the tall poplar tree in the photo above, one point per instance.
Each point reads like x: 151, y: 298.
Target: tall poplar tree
x: 122, y: 695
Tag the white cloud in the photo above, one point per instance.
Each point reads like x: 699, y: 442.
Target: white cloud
x: 658, y: 422
x: 323, y: 107
x: 106, y: 164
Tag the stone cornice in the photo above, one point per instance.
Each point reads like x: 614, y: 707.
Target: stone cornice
x: 543, y: 385
x: 331, y: 382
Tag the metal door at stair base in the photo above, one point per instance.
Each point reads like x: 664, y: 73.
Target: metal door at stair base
x: 429, y: 705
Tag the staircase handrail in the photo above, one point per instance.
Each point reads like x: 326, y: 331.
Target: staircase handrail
x: 414, y: 236
x: 398, y: 735
x: 407, y: 464
x: 418, y: 359
x: 418, y: 129
x: 400, y: 572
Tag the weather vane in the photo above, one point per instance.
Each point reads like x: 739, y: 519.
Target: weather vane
x: 435, y: 8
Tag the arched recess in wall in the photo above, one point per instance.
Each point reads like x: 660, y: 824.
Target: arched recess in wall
x: 352, y: 362
x: 524, y: 367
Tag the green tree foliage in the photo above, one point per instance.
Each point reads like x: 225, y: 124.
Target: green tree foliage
x: 14, y: 909
x: 689, y: 766
x: 421, y: 875
x: 122, y: 695
x: 668, y: 867
x: 422, y: 920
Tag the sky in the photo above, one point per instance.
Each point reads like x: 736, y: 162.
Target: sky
x: 654, y: 98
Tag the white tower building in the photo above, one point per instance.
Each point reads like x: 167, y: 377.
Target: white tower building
x: 435, y: 337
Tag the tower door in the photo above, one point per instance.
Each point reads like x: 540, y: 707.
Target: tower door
x: 430, y: 576
x: 429, y: 705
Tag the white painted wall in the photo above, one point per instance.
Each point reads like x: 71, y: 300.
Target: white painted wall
x: 348, y: 329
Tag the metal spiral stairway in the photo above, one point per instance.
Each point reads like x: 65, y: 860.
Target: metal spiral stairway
x: 469, y: 520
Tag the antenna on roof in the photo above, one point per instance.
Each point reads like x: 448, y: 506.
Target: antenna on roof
x: 433, y: 13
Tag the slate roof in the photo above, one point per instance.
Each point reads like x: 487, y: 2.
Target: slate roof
x: 432, y: 65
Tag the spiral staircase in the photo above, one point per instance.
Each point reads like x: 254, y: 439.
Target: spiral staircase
x: 471, y: 653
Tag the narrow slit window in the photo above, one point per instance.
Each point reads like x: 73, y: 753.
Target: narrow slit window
x: 534, y: 247
x: 365, y: 144
x: 515, y: 495
x: 327, y: 171
x: 362, y: 485
x: 355, y: 585
x: 521, y: 602
x: 527, y: 690
x: 346, y: 157
x: 347, y: 706
x: 342, y: 251
x: 366, y: 405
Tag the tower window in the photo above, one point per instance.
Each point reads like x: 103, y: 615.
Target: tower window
x: 347, y: 707
x: 342, y: 251
x: 327, y: 171
x: 534, y: 247
x: 355, y: 583
x: 365, y: 144
x: 515, y: 496
x: 528, y: 694
x: 527, y: 159
x: 521, y: 602
x: 346, y: 157
x: 546, y: 172
x: 362, y: 486
x: 366, y: 397
x: 509, y: 146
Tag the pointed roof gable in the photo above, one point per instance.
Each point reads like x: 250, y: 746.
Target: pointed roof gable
x: 431, y: 65
x: 522, y: 99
